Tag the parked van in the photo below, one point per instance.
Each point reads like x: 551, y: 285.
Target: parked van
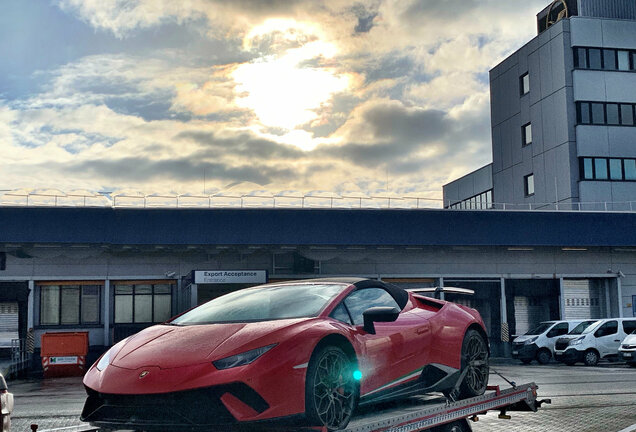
x: 538, y: 343
x: 599, y: 341
x: 627, y: 351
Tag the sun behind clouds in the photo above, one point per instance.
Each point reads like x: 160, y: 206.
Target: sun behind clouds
x: 287, y: 87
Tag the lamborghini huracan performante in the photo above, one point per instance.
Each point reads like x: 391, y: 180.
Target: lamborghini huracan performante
x: 305, y: 351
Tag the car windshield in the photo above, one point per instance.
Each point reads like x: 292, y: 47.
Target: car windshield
x: 540, y: 329
x: 263, y: 304
x: 581, y: 327
x: 592, y: 327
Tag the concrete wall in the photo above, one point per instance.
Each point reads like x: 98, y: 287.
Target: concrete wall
x: 548, y: 107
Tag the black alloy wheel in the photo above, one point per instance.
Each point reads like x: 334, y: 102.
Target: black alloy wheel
x: 457, y: 426
x: 475, y: 362
x: 544, y: 356
x: 331, y: 392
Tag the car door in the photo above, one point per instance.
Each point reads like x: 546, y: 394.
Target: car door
x: 394, y: 354
x: 607, y: 338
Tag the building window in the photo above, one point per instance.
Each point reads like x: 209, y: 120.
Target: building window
x: 526, y: 132
x: 69, y: 304
x: 524, y: 84
x: 612, y: 169
x: 604, y: 59
x: 482, y: 201
x: 143, y: 302
x: 528, y: 182
x: 605, y: 113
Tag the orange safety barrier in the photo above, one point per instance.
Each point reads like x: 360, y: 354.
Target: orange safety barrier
x: 64, y: 353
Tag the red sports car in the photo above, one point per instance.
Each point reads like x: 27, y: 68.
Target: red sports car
x: 307, y: 351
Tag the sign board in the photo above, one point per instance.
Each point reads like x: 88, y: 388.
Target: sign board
x: 63, y: 360
x: 230, y: 276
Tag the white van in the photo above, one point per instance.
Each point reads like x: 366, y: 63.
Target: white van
x: 538, y: 343
x: 600, y: 340
x: 627, y: 351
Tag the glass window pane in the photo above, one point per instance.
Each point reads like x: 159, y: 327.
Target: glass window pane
x: 584, y: 113
x: 595, y: 58
x: 609, y: 59
x: 525, y: 84
x: 50, y: 305
x: 527, y: 134
x: 143, y: 289
x: 623, y: 60
x: 90, y: 304
x: 598, y: 113
x: 616, y: 169
x: 163, y: 289
x: 70, y: 304
x: 143, y: 308
x: 633, y: 60
x: 612, y: 113
x: 581, y: 59
x: 600, y: 166
x: 529, y: 185
x: 361, y: 300
x: 123, y: 289
x: 162, y: 308
x: 630, y: 169
x: 588, y: 169
x: 123, y: 309
x: 627, y: 114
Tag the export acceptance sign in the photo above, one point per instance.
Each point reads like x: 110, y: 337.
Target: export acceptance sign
x: 230, y: 276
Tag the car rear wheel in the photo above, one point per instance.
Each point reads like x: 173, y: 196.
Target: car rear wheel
x: 544, y: 356
x: 590, y: 358
x: 475, y: 362
x: 330, y: 390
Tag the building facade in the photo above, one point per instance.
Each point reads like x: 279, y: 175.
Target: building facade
x: 112, y: 272
x: 563, y: 113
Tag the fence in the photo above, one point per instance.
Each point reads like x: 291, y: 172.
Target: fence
x: 20, y: 357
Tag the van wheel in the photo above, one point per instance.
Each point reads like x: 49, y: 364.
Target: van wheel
x: 544, y: 356
x: 590, y: 358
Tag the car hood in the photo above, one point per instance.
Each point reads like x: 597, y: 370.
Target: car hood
x: 177, y: 346
x: 629, y: 340
x: 520, y: 339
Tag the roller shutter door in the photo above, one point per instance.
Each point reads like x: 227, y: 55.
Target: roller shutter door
x: 582, y: 299
x: 530, y: 311
x: 8, y: 323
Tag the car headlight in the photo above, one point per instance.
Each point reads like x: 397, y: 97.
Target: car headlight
x: 577, y: 341
x: 104, y: 360
x: 531, y: 340
x: 241, y: 359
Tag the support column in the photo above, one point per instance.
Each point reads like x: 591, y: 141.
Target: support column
x: 106, y: 309
x: 561, y: 300
x: 30, y: 305
x: 442, y: 295
x: 193, y: 296
x: 608, y: 305
x: 619, y: 293
x: 505, y: 330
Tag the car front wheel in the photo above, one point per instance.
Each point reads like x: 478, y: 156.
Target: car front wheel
x: 330, y: 390
x: 590, y: 358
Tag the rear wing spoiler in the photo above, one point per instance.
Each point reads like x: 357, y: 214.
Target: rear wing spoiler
x: 437, y: 291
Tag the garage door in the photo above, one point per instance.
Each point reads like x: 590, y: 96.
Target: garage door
x: 582, y: 299
x: 8, y: 323
x: 530, y: 311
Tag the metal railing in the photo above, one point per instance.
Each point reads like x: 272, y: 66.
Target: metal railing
x: 281, y: 200
x: 20, y: 357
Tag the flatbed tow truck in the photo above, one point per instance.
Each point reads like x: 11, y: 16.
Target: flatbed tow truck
x: 428, y: 413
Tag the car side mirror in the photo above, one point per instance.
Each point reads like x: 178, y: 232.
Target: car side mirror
x: 379, y: 314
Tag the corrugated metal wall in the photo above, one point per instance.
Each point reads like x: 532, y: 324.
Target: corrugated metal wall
x: 582, y: 299
x: 8, y: 323
x: 620, y: 9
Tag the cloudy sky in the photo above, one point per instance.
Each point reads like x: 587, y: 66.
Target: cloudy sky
x: 343, y: 96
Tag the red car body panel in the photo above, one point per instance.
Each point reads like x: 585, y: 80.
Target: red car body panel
x: 166, y: 359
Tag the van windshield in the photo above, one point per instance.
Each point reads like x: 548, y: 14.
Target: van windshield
x: 540, y: 329
x: 592, y: 327
x: 581, y: 327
